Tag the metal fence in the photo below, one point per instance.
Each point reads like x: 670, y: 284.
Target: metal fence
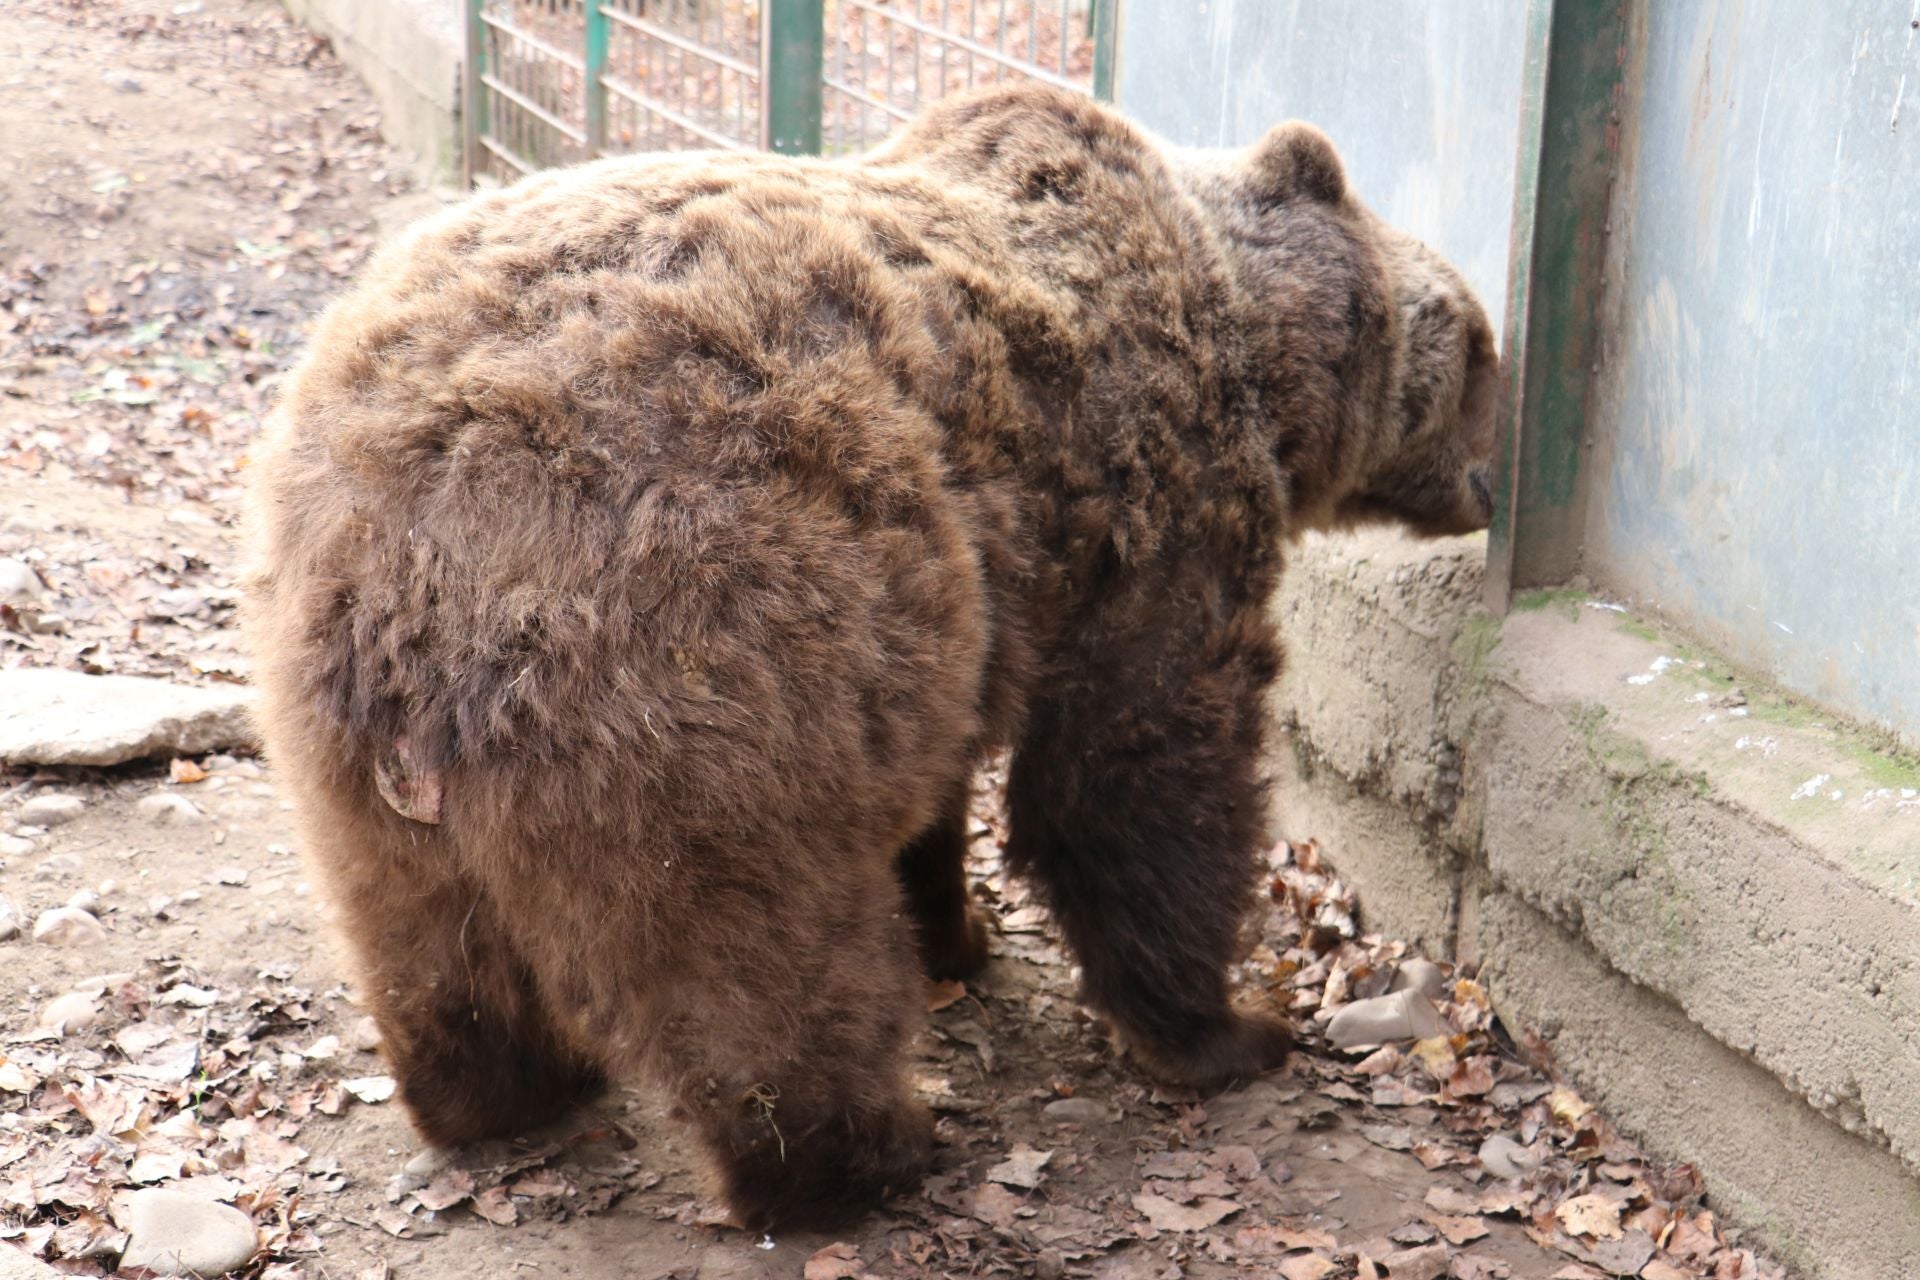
x: 552, y: 82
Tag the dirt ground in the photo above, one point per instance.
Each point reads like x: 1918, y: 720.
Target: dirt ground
x: 184, y: 185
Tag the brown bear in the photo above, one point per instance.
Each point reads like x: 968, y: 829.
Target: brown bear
x: 651, y: 552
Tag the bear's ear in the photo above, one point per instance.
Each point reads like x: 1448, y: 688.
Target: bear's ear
x: 1297, y: 160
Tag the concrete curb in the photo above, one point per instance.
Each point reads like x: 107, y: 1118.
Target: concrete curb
x: 1703, y: 896
x: 408, y: 53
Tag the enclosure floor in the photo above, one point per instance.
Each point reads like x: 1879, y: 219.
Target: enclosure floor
x: 185, y: 184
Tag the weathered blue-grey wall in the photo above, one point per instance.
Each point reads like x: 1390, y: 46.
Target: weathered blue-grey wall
x: 1757, y: 470
x: 1421, y: 98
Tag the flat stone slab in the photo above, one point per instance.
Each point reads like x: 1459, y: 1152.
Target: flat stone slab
x: 65, y: 717
x: 15, y: 1264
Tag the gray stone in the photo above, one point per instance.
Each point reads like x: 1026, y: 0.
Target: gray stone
x: 1502, y: 1157
x: 15, y: 846
x: 63, y: 717
x: 67, y: 926
x: 17, y: 1265
x: 9, y: 921
x: 57, y: 867
x: 1422, y: 975
x: 50, y: 811
x: 64, y: 1015
x: 1388, y: 1019
x: 173, y: 1233
x: 1077, y: 1111
x: 170, y: 807
x: 19, y: 584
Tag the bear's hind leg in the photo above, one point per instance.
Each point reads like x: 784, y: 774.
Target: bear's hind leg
x: 933, y: 872
x: 462, y: 1025
x: 786, y: 1049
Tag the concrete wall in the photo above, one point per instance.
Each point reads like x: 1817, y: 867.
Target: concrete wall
x: 1757, y: 462
x: 1422, y: 100
x: 1704, y: 895
x: 408, y: 53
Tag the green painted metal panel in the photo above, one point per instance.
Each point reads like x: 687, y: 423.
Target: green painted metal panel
x: 1562, y: 283
x: 1104, y: 19
x: 473, y: 96
x: 594, y: 78
x: 793, y: 60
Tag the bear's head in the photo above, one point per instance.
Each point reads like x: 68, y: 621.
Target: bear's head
x: 1378, y: 367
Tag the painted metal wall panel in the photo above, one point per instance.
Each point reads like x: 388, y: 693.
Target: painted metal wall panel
x: 1421, y: 98
x: 1757, y: 438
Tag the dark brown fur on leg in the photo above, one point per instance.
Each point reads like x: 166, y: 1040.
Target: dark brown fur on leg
x: 460, y: 1019
x: 1136, y: 809
x: 933, y: 871
x: 795, y: 1077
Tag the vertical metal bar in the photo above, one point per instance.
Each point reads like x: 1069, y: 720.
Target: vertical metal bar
x: 1104, y: 16
x: 594, y: 78
x: 473, y: 94
x: 1569, y: 139
x: 792, y: 52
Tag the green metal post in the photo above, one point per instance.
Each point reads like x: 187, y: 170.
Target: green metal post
x: 594, y: 79
x: 1104, y: 19
x: 473, y: 94
x: 792, y: 61
x: 1571, y: 102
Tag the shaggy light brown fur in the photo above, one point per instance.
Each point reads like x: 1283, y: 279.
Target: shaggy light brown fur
x: 671, y: 538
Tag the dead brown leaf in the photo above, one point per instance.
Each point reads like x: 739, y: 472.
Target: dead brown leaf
x: 837, y: 1261
x: 1166, y: 1215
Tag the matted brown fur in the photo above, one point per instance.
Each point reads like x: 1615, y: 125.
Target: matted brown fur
x: 696, y: 525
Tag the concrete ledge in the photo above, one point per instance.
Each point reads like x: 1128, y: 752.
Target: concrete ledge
x: 1369, y: 719
x: 408, y: 53
x: 1569, y: 792
x: 1633, y: 815
x: 1826, y: 1203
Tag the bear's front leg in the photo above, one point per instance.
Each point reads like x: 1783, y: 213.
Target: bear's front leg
x: 1136, y: 810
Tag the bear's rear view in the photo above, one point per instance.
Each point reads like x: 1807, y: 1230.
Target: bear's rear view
x: 651, y: 552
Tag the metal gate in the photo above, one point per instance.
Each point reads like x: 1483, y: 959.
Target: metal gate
x: 553, y: 82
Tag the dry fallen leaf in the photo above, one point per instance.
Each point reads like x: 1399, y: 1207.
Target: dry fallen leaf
x: 1458, y: 1230
x: 1306, y: 1266
x: 1590, y: 1215
x: 837, y: 1261
x: 1165, y: 1215
x: 942, y: 994
x: 370, y: 1089
x: 1021, y: 1168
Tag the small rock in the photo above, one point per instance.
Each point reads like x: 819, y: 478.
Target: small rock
x: 48, y: 624
x: 15, y: 846
x: 67, y: 926
x: 51, y: 811
x: 171, y: 808
x: 19, y: 584
x: 1422, y: 975
x: 1076, y: 1111
x: 1049, y: 1264
x: 175, y: 1234
x: 364, y: 1034
x: 58, y: 867
x: 9, y: 921
x: 1388, y: 1019
x: 74, y: 1011
x: 1502, y: 1157
x: 158, y: 907
x: 85, y: 900
x: 1429, y: 1262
